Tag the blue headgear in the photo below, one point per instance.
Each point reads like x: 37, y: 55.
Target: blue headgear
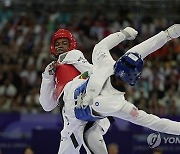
x: 129, y: 67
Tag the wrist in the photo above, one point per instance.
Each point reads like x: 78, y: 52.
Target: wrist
x: 168, y: 36
x: 126, y: 34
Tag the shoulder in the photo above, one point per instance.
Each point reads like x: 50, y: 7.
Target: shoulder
x: 74, y: 55
x: 75, y: 52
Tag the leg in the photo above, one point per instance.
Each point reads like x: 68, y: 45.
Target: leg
x: 67, y: 147
x: 130, y: 113
x: 94, y: 139
x: 71, y: 144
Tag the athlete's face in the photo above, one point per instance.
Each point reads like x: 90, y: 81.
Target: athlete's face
x: 117, y: 83
x: 61, y: 45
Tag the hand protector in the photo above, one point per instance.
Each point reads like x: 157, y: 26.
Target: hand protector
x: 173, y: 31
x: 85, y: 114
x: 130, y: 33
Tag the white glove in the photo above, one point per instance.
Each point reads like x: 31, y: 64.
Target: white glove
x: 173, y: 31
x: 130, y: 33
x: 50, y: 70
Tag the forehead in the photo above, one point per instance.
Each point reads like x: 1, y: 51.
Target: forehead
x: 62, y: 40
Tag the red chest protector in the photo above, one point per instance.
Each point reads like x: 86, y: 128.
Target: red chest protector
x: 64, y: 74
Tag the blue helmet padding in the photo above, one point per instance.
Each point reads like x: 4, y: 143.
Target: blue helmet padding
x: 129, y: 67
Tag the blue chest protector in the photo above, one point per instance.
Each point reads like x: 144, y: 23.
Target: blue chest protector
x: 83, y: 112
x: 81, y: 90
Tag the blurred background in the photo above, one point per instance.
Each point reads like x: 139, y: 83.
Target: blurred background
x: 26, y: 29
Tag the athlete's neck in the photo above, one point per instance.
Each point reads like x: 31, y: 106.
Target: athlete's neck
x: 117, y: 83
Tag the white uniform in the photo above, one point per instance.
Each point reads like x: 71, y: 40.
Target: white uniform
x: 107, y: 101
x: 110, y: 102
x: 47, y: 92
x: 72, y: 133
x: 75, y: 126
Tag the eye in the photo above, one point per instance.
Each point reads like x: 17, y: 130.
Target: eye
x: 65, y: 43
x: 57, y: 43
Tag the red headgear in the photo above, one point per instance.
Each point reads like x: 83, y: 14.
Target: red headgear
x: 64, y: 74
x: 63, y: 33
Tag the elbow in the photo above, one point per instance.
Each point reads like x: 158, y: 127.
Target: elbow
x: 47, y: 109
x: 46, y: 105
x: 97, y: 46
x: 100, y: 46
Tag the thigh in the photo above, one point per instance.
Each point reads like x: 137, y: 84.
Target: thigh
x: 67, y: 147
x: 94, y: 139
x: 71, y: 144
x: 130, y: 113
x: 127, y: 111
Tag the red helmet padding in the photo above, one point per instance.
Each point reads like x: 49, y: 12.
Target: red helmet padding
x: 64, y: 74
x: 63, y: 33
